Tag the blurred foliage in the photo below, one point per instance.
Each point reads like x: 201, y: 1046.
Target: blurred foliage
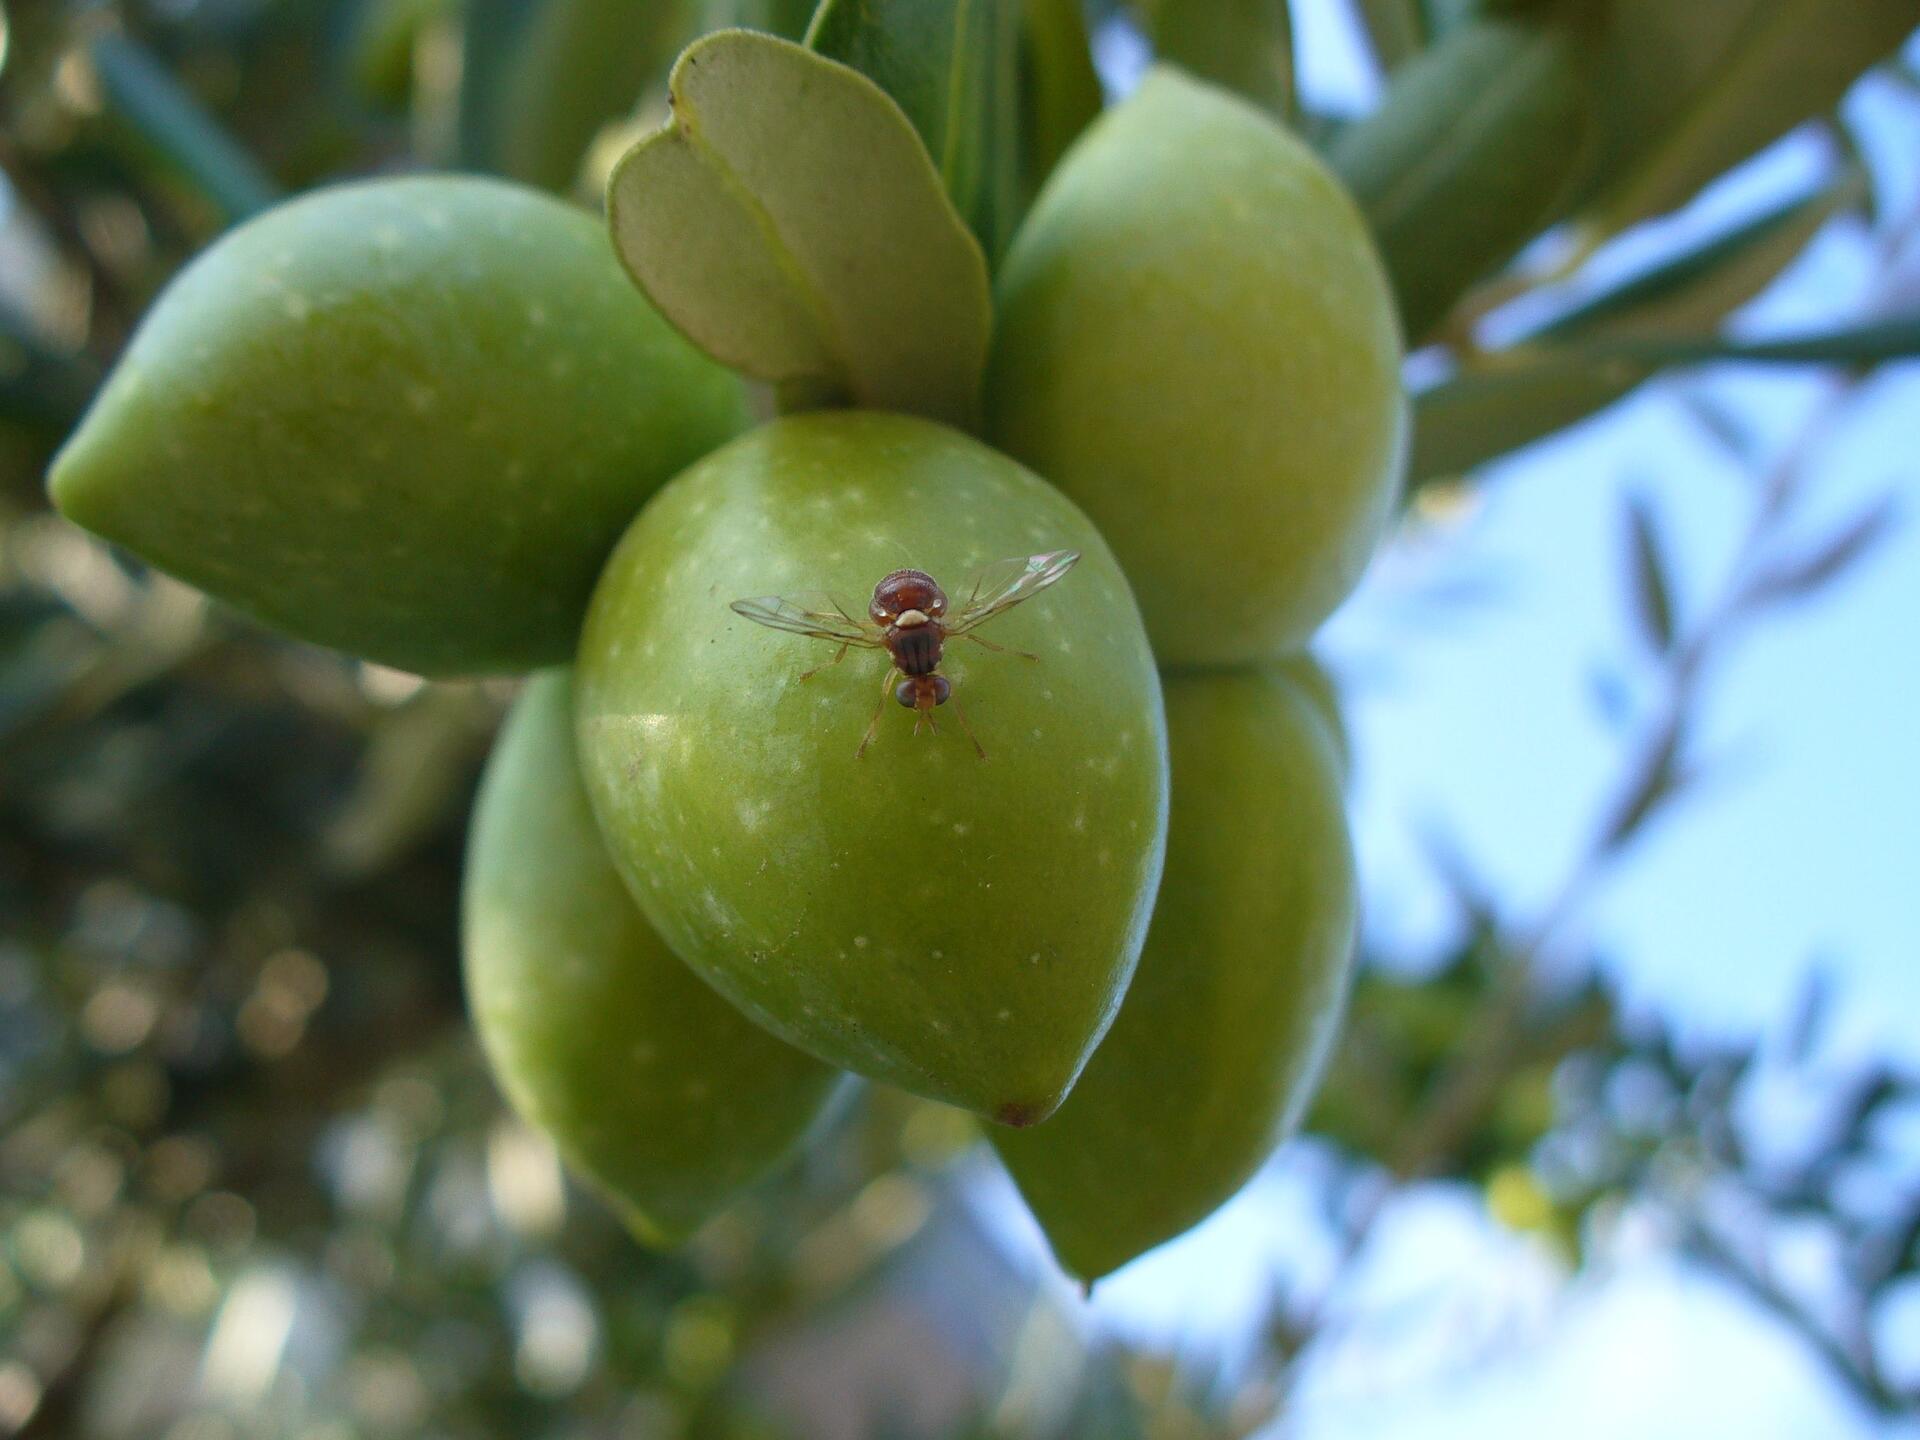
x: 253, y: 1179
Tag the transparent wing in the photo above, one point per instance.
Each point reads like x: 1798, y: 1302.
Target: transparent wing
x: 1004, y: 584
x: 823, y: 616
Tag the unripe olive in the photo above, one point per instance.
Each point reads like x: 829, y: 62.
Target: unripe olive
x: 1239, y: 991
x: 407, y: 418
x: 653, y: 1087
x: 1310, y: 677
x: 962, y: 927
x: 1196, y: 341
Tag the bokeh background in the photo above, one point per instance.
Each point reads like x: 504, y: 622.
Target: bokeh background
x: 1624, y: 1136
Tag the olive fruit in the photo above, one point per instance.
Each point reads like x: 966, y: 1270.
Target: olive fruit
x: 404, y: 417
x: 1196, y: 341
x: 1310, y: 677
x: 1239, y: 991
x: 959, y: 926
x: 653, y: 1087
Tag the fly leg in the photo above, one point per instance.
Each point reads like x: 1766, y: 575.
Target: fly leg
x: 961, y: 716
x: 1002, y: 649
x: 838, y: 656
x: 873, y: 725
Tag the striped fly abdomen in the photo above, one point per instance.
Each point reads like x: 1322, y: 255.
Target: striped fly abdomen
x: 916, y: 650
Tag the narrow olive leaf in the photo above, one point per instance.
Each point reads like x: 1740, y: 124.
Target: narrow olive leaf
x: 145, y: 95
x: 1650, y: 59
x: 1854, y: 160
x: 952, y: 66
x: 789, y: 222
x: 1857, y: 346
x: 493, y: 33
x: 1804, y: 575
x: 1059, y: 91
x: 1721, y: 424
x: 1483, y: 414
x: 1808, y: 1017
x: 580, y: 65
x: 1242, y: 45
x: 786, y: 18
x: 1790, y: 62
x: 1660, y: 779
x: 1396, y: 30
x: 1477, y: 417
x: 1651, y: 588
x: 1475, y: 149
x: 380, y: 46
x: 1440, y: 18
x: 1697, y: 289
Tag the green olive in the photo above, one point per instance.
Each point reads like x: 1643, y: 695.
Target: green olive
x: 1196, y: 341
x: 407, y: 418
x: 653, y: 1087
x: 959, y: 926
x: 1306, y: 673
x: 1239, y: 992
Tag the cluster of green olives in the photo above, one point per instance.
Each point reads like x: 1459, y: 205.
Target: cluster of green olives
x: 430, y: 421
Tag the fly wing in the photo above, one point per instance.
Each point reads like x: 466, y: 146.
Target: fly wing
x: 1005, y: 583
x: 822, y: 616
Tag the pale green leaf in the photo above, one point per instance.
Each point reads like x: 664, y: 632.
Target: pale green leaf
x: 789, y: 222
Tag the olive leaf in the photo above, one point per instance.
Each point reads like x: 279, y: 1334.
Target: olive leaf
x: 1689, y: 91
x: 142, y: 93
x: 1695, y: 290
x: 493, y: 32
x: 1395, y: 29
x: 1797, y: 577
x: 1060, y: 90
x: 1464, y: 422
x: 1862, y: 346
x: 1475, y: 148
x: 786, y: 18
x: 789, y: 222
x: 953, y: 67
x: 541, y: 77
x: 1243, y: 45
x: 1649, y: 573
x: 581, y: 64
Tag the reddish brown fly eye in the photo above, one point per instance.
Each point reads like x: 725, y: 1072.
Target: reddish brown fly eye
x: 915, y: 647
